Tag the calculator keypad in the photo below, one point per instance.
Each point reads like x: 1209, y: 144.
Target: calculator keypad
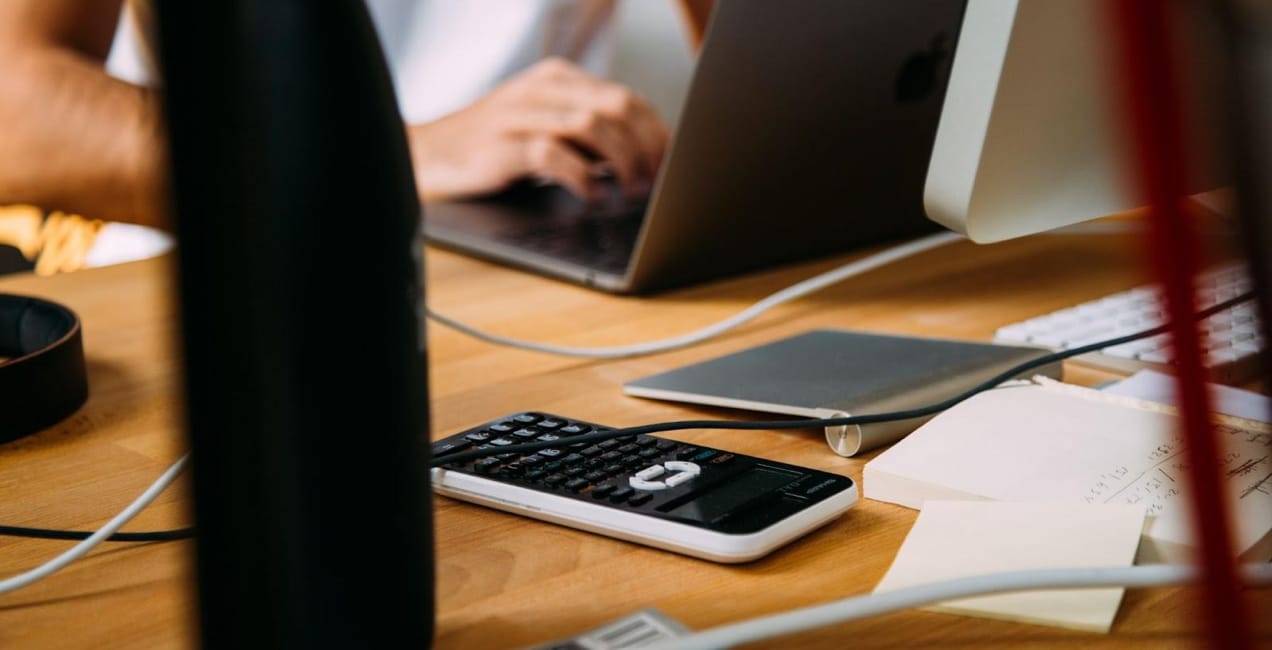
x: 621, y: 471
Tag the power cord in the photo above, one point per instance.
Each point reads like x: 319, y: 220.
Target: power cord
x: 793, y: 292
x: 799, y: 290
x: 858, y: 607
x: 81, y: 549
x: 921, y: 411
x: 54, y: 533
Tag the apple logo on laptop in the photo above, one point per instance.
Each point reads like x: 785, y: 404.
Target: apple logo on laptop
x: 918, y: 74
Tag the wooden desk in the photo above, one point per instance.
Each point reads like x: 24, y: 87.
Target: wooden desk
x: 505, y: 581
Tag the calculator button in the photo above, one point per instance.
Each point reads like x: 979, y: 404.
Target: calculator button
x: 640, y: 499
x: 641, y: 484
x: 705, y: 455
x: 687, y: 452
x: 534, y: 475
x: 677, y: 479
x: 682, y: 466
x: 633, y: 461
x: 572, y: 459
x: 574, y: 471
x: 512, y: 468
x: 649, y: 453
x: 548, y: 437
x: 550, y: 453
x: 502, y: 442
x: 621, y: 493
x: 645, y: 441
x: 553, y: 466
x: 550, y: 423
x: 575, y: 429
x: 590, y: 451
x: 554, y: 479
x: 602, y: 491
x: 627, y: 438
x: 627, y: 449
x: 502, y: 427
x: 594, y: 477
x: 576, y: 484
x: 486, y: 465
x: 722, y: 459
x: 531, y: 460
x: 610, y: 456
x: 527, y: 418
x: 651, y: 472
x: 609, y: 444
x: 526, y: 433
x: 478, y: 436
x: 450, y: 447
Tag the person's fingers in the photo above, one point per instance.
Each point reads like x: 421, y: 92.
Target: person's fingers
x: 650, y: 132
x: 550, y: 158
x: 609, y: 139
x: 609, y: 119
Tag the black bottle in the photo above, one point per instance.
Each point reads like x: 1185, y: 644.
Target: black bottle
x: 301, y: 296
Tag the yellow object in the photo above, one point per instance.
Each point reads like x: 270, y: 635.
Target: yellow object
x: 56, y: 244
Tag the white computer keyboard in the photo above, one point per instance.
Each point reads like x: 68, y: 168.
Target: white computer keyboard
x: 1233, y: 337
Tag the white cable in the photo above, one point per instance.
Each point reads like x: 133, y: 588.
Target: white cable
x: 816, y: 283
x: 858, y: 607
x: 79, y: 550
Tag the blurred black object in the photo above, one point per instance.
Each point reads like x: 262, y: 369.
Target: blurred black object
x: 1246, y: 78
x: 301, y: 303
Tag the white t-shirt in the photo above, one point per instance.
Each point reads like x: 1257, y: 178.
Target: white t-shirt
x: 445, y: 54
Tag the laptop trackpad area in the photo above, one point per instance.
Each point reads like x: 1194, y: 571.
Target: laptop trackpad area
x: 544, y: 222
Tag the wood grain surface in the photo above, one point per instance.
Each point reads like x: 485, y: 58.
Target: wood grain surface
x: 506, y: 581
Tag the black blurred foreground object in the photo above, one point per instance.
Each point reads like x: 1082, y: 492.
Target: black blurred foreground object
x: 301, y: 306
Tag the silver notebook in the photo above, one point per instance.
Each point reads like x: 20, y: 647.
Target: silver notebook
x: 835, y: 373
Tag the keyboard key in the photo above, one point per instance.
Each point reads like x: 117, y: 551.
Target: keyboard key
x: 1227, y: 334
x: 640, y: 499
x: 451, y: 446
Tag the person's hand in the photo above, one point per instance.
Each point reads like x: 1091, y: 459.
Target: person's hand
x: 552, y: 121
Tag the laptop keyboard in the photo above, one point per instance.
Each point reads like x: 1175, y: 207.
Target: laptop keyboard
x: 603, y: 241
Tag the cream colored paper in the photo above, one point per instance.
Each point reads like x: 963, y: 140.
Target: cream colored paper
x: 956, y: 539
x: 1057, y: 442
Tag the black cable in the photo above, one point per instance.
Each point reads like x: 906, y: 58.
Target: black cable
x: 50, y: 533
x: 187, y: 533
x: 1038, y: 362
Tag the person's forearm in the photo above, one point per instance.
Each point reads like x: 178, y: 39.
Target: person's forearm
x: 72, y: 138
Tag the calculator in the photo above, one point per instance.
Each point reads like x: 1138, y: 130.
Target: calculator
x: 699, y: 501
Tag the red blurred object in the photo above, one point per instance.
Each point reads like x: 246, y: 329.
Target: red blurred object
x: 1152, y: 94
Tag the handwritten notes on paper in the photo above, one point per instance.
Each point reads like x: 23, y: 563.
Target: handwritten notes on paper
x: 1060, y: 443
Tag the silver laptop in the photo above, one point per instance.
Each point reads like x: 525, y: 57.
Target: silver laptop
x: 806, y: 131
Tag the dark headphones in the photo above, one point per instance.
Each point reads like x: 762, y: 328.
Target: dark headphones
x: 44, y: 379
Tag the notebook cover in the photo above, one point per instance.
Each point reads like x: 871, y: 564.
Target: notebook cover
x: 830, y: 372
